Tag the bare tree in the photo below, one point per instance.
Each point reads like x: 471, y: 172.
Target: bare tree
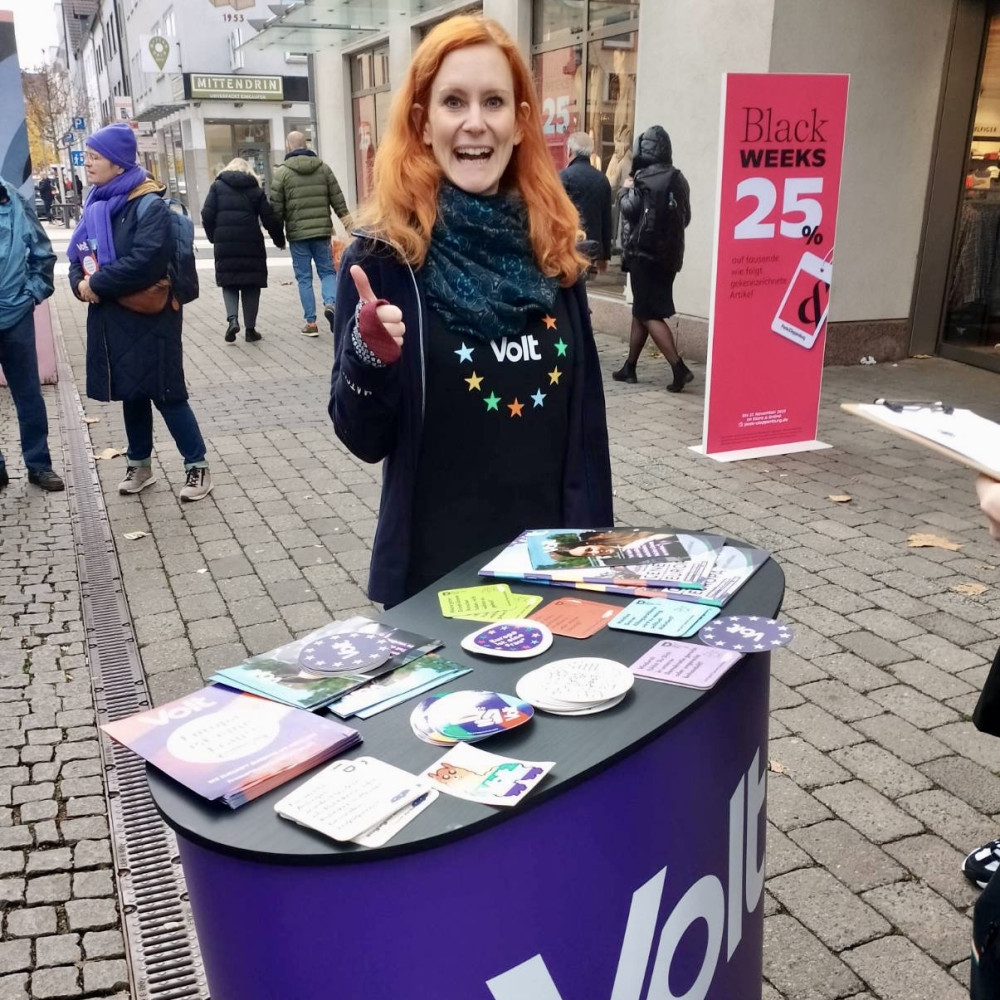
x: 50, y: 106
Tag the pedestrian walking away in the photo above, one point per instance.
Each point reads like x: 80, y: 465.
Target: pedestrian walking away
x: 27, y: 264
x: 234, y: 210
x: 655, y: 204
x: 590, y: 191
x: 464, y: 352
x: 122, y: 247
x: 303, y: 190
x: 47, y: 194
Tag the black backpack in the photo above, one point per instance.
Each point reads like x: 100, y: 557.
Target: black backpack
x: 659, y: 233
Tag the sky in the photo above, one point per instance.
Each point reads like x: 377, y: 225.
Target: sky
x: 35, y: 27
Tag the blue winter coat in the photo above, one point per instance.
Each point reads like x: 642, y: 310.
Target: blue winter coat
x: 129, y: 355
x: 378, y: 412
x: 26, y: 259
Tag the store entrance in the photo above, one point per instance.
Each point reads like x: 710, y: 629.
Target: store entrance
x: 971, y: 328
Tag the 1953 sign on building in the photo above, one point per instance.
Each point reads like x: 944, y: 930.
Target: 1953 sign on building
x: 207, y: 87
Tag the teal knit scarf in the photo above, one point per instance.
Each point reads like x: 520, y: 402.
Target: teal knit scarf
x: 480, y: 274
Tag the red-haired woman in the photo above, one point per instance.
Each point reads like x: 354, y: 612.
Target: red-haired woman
x: 464, y: 352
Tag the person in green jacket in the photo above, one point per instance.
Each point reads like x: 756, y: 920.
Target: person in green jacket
x: 303, y: 190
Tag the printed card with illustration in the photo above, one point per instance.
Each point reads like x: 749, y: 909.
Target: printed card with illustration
x: 479, y: 776
x: 575, y: 617
x: 655, y: 616
x: 688, y: 664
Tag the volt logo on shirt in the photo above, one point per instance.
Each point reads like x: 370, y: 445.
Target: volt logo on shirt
x: 525, y: 349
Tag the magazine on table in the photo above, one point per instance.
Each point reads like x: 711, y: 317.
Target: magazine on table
x: 585, y: 548
x: 702, y: 549
x: 324, y: 665
x: 229, y: 745
x: 735, y: 565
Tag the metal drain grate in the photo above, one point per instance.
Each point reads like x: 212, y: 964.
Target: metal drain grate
x: 162, y: 948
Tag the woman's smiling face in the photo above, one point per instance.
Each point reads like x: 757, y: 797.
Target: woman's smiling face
x: 471, y: 123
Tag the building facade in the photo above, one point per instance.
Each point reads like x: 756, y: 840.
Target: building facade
x: 177, y: 68
x: 916, y: 268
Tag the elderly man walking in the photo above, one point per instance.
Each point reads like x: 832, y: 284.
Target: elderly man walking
x: 590, y: 191
x: 303, y: 190
x: 26, y: 267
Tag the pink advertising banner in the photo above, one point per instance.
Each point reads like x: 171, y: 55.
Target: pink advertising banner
x: 781, y: 150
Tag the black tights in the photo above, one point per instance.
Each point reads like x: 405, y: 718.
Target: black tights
x: 662, y: 336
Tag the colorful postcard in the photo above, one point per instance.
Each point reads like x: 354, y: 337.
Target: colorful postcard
x: 575, y: 617
x: 479, y: 776
x: 493, y: 602
x: 656, y: 616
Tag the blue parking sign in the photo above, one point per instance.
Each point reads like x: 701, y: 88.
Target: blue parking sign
x: 79, y: 125
x: 76, y: 157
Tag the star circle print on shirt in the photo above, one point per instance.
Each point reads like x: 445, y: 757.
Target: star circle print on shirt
x: 535, y: 369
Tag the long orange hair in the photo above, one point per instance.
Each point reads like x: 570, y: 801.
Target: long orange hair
x: 403, y: 206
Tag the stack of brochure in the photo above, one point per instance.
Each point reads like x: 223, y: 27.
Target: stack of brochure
x: 636, y: 562
x: 403, y: 683
x: 229, y: 745
x: 364, y: 800
x: 323, y: 666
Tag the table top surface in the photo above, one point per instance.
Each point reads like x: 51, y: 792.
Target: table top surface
x: 580, y: 746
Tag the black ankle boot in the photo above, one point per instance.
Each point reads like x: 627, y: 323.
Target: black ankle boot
x: 682, y: 375
x: 252, y: 335
x: 625, y: 374
x: 232, y: 330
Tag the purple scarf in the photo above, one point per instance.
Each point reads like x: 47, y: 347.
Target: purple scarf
x: 103, y: 201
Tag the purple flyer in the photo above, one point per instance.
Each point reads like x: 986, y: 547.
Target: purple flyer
x: 746, y: 633
x: 685, y: 663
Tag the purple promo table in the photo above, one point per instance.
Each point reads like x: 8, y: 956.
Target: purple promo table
x: 634, y: 872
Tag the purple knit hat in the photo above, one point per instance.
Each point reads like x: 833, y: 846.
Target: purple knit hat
x: 115, y: 143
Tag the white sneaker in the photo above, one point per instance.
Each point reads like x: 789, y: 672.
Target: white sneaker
x: 198, y: 485
x: 137, y: 478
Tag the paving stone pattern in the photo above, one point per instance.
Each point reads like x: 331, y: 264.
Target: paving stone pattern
x: 879, y: 781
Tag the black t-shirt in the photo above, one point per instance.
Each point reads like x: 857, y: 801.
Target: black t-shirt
x: 491, y: 459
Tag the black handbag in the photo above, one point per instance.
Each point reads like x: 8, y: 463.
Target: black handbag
x: 986, y: 714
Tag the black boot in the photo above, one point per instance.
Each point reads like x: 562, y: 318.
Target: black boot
x: 232, y: 330
x: 252, y: 335
x: 625, y: 374
x: 682, y: 375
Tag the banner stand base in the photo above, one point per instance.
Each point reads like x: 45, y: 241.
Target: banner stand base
x: 766, y: 452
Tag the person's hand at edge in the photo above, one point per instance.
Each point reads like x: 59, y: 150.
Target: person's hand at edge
x: 989, y: 503
x: 380, y: 323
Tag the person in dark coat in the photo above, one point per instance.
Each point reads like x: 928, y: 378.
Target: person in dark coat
x: 652, y: 254
x: 232, y: 215
x: 124, y: 244
x: 47, y: 194
x: 590, y: 191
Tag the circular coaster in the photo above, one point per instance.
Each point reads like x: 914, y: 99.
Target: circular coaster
x: 745, y: 633
x: 341, y: 652
x: 577, y: 682
x: 516, y: 638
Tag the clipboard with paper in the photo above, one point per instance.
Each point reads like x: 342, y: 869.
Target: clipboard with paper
x: 955, y: 433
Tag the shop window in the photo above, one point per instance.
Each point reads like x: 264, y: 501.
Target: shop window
x: 972, y: 309
x: 370, y: 97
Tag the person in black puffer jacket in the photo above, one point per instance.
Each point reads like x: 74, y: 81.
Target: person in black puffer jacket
x: 234, y: 210
x: 655, y: 209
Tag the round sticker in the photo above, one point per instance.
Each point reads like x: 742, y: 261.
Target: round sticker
x: 341, y: 652
x: 474, y: 715
x: 515, y: 638
x: 576, y: 682
x: 745, y: 633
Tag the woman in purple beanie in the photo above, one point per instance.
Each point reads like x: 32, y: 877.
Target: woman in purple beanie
x: 124, y: 244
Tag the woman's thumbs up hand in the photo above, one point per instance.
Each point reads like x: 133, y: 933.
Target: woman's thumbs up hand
x: 389, y: 316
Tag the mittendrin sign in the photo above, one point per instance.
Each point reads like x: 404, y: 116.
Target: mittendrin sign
x: 205, y: 87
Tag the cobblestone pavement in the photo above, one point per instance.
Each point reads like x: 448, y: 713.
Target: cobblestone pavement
x: 879, y: 781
